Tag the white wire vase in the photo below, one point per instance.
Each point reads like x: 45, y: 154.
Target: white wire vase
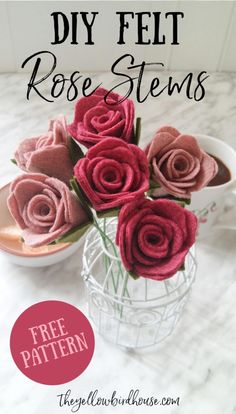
x: 131, y: 313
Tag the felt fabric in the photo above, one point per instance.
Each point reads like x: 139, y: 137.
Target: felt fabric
x: 179, y: 165
x: 94, y: 119
x: 154, y: 237
x: 44, y: 208
x: 47, y: 154
x: 112, y: 173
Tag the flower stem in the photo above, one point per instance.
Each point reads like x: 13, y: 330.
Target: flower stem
x: 115, y: 278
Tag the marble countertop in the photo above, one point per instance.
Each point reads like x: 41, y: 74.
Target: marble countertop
x: 197, y: 363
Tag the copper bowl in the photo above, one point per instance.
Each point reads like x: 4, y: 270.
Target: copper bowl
x: 17, y: 252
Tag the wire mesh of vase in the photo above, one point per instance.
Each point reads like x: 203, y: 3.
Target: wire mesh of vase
x: 131, y: 313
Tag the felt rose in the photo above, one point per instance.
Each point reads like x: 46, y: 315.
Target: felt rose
x: 44, y: 208
x: 112, y: 173
x: 154, y: 237
x: 94, y: 119
x: 47, y: 154
x: 178, y: 164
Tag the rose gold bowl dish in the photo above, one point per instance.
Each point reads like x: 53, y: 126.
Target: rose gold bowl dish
x: 17, y: 252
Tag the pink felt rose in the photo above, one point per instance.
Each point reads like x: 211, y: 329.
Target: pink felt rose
x: 112, y: 173
x: 178, y: 164
x: 94, y: 119
x: 47, y: 154
x: 44, y: 208
x: 154, y: 237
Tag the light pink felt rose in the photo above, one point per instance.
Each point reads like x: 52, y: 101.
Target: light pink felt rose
x: 154, y: 237
x: 178, y: 164
x: 44, y: 208
x: 47, y: 154
x: 95, y: 120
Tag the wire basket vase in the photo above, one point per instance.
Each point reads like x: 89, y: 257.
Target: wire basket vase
x: 130, y: 313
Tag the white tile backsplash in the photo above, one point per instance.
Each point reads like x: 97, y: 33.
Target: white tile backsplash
x: 207, y: 35
x: 7, y: 60
x: 203, y: 35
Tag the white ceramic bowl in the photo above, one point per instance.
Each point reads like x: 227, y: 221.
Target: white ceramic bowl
x: 20, y: 254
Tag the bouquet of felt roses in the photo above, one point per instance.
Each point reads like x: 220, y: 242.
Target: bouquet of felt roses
x: 64, y: 189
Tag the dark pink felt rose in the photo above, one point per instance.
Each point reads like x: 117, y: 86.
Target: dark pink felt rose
x: 47, y: 154
x: 178, y: 164
x: 112, y: 173
x: 154, y: 237
x: 44, y: 208
x: 95, y: 120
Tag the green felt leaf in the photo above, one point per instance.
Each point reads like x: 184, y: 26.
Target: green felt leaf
x: 137, y: 132
x: 182, y: 268
x: 81, y: 196
x: 113, y: 212
x: 153, y: 184
x: 75, y: 151
x: 150, y: 169
x: 184, y: 200
x: 181, y: 201
x: 149, y: 193
x: 13, y: 161
x: 133, y: 275
x: 74, y: 234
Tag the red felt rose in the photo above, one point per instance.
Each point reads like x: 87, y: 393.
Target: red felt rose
x: 179, y: 165
x: 112, y: 173
x: 154, y: 237
x: 94, y: 119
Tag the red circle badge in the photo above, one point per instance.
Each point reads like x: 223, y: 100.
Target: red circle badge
x: 52, y: 342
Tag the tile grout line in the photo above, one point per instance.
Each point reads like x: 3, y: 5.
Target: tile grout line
x: 226, y: 39
x: 170, y: 49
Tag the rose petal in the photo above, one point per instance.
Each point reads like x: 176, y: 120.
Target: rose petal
x: 23, y: 151
x: 125, y: 164
x: 44, y: 208
x: 73, y: 211
x: 208, y: 170
x: 186, y: 142
x: 37, y: 240
x: 170, y: 130
x: 156, y: 249
x: 160, y: 141
x: 87, y: 128
x: 154, y: 237
x: 168, y: 186
x: 164, y: 269
x: 47, y: 153
x: 54, y: 161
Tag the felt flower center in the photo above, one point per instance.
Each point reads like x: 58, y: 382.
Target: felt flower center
x: 44, y: 210
x: 153, y: 239
x: 110, y: 176
x: 107, y: 176
x: 180, y: 164
x: 176, y: 164
x: 103, y: 119
x: 40, y: 211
